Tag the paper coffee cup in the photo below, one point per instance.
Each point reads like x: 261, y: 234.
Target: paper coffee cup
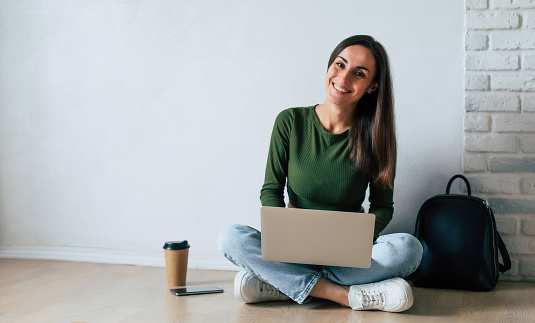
x: 176, y: 262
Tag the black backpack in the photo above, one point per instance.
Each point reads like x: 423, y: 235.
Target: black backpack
x: 460, y: 241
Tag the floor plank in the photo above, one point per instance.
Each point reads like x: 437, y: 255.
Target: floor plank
x: 57, y: 291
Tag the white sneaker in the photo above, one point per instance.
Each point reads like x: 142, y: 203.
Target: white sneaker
x: 249, y: 289
x: 391, y: 295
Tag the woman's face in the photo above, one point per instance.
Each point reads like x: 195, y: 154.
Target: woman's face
x: 351, y: 75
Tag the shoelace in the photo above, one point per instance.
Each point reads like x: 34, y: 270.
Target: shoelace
x: 267, y: 289
x: 373, y: 298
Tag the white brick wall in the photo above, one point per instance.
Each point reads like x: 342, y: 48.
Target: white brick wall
x: 476, y: 41
x: 499, y: 123
x: 477, y: 82
x: 517, y: 82
x: 527, y: 144
x: 522, y: 39
x: 496, y: 185
x: 477, y: 123
x: 476, y: 4
x: 492, y: 19
x: 530, y: 20
x: 528, y: 62
x: 492, y: 62
x: 514, y: 123
x: 528, y: 103
x: 528, y: 185
x: 475, y: 162
x: 491, y: 144
x: 512, y: 4
x: 492, y: 102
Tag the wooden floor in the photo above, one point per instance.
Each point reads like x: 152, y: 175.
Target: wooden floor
x: 57, y: 291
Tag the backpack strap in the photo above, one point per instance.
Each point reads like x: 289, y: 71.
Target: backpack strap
x: 501, y: 246
x: 465, y: 181
x: 505, y: 256
x: 503, y: 251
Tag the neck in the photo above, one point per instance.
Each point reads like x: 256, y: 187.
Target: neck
x: 335, y: 118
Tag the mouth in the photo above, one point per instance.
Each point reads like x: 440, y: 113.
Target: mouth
x: 340, y: 89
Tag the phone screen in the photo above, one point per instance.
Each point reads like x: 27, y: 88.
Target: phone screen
x: 196, y: 290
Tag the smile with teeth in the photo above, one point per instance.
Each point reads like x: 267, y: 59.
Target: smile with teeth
x: 341, y: 89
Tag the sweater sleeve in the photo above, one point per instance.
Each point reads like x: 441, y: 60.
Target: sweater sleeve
x: 272, y: 192
x: 382, y: 205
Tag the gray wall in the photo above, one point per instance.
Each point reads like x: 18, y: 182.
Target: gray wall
x: 124, y: 124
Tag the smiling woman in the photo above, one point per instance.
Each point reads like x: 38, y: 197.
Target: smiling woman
x: 369, y: 70
x: 328, y: 156
x: 351, y: 75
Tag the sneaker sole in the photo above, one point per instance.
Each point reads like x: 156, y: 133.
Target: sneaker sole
x: 237, y: 286
x: 408, y: 295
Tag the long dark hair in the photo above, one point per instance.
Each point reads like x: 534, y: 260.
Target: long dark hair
x: 372, y: 136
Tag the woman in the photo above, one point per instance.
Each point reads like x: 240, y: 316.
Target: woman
x: 329, y: 154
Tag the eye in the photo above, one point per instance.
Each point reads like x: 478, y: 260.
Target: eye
x: 340, y: 64
x: 360, y: 74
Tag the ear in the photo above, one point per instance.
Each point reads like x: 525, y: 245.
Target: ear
x: 373, y: 87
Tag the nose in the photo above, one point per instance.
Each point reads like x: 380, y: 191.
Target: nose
x: 345, y: 75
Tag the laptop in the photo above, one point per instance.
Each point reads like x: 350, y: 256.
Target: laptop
x: 317, y: 237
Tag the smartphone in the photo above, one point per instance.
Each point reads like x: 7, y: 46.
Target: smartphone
x: 196, y: 290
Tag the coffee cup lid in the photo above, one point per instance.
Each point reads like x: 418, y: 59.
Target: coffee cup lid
x: 176, y: 245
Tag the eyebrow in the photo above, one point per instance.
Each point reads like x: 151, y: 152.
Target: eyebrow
x: 356, y: 67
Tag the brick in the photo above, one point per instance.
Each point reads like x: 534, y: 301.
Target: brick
x: 513, y: 40
x: 492, y: 102
x: 476, y: 42
x: 527, y: 144
x: 529, y: 21
x: 527, y: 267
x: 477, y: 4
x: 514, y: 123
x: 527, y: 186
x: 479, y: 82
x: 528, y: 103
x: 492, y: 20
x: 494, y: 184
x: 475, y: 163
x: 492, y: 62
x: 476, y: 123
x: 528, y: 61
x: 520, y: 245
x: 524, y: 82
x: 513, y: 4
x: 528, y: 227
x: 512, y: 206
x: 512, y: 164
x: 485, y: 143
x: 507, y: 225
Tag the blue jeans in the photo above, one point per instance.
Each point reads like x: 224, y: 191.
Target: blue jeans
x: 393, y: 255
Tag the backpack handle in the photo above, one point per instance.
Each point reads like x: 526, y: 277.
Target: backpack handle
x: 464, y: 179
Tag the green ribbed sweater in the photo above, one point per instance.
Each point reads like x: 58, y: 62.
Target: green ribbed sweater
x: 316, y: 164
